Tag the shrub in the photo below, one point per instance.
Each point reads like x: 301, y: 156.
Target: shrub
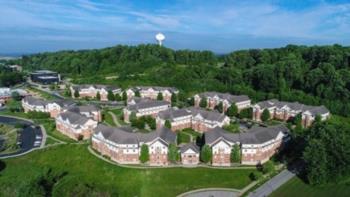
x: 173, y: 153
x: 255, y: 175
x: 160, y: 96
x: 206, y: 154
x: 265, y: 115
x: 268, y: 167
x: 232, y: 110
x: 167, y: 124
x: 144, y: 156
x: 236, y: 154
x: 203, y: 103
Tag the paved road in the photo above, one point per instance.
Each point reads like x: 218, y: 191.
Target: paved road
x: 218, y: 193
x: 30, y: 137
x: 267, y: 188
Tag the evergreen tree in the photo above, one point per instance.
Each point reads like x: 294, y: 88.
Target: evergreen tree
x: 173, y: 99
x: 144, y: 155
x: 190, y: 101
x: 232, y: 110
x: 110, y: 96
x: 203, y: 103
x: 236, y: 154
x: 265, y: 115
x: 167, y: 124
x: 76, y: 94
x: 206, y: 154
x: 124, y: 96
x: 117, y: 97
x: 137, y: 93
x: 220, y: 107
x: 246, y: 113
x: 98, y: 96
x: 160, y: 96
x: 173, y: 153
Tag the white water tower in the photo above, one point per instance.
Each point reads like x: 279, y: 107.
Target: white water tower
x: 160, y: 37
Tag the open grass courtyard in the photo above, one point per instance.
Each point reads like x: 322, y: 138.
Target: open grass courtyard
x: 82, y: 168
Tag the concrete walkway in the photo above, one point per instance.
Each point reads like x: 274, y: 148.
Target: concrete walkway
x: 115, y: 119
x: 277, y: 181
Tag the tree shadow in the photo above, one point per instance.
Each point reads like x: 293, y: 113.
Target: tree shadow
x: 2, y: 165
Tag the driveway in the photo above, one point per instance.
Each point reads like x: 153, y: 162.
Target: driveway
x: 277, y: 181
x: 30, y: 137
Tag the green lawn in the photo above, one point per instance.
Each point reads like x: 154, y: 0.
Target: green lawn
x: 108, y: 119
x: 10, y: 134
x: 296, y: 187
x: 83, y: 168
x: 183, y: 138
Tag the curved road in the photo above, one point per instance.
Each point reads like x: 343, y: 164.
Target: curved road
x: 30, y: 137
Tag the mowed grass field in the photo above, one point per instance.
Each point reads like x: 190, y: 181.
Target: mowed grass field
x: 81, y: 167
x: 296, y: 187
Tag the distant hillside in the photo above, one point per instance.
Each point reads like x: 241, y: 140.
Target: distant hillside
x: 312, y: 75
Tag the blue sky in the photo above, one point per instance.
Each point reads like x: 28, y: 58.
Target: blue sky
x: 221, y: 26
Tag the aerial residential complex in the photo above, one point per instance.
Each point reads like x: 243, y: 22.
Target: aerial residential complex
x: 152, y: 92
x: 123, y: 145
x: 286, y: 110
x: 215, y: 98
x: 198, y: 119
x: 91, y: 91
x: 144, y: 107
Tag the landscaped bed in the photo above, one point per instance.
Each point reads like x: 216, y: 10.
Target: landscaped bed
x: 82, y: 170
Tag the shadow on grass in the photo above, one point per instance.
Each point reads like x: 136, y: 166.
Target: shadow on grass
x: 2, y: 165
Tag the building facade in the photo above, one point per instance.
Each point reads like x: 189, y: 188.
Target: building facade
x: 89, y: 111
x: 144, y: 107
x: 287, y: 110
x: 75, y: 126
x: 124, y: 146
x: 45, y: 77
x: 190, y: 154
x: 91, y: 91
x: 198, y: 119
x: 215, y: 98
x: 257, y: 145
x: 151, y: 92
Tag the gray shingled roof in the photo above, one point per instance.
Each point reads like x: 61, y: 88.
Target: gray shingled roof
x: 296, y: 106
x: 146, y: 103
x: 124, y: 135
x: 63, y: 103
x: 187, y: 146
x: 84, y: 86
x: 35, y: 101
x: 83, y: 108
x: 208, y: 115
x: 74, y: 118
x: 229, y: 97
x: 171, y: 114
x: 256, y: 135
x: 157, y: 88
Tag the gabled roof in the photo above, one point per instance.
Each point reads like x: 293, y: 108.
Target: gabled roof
x: 85, y: 86
x: 225, y: 96
x: 171, y: 114
x: 34, y: 101
x: 125, y: 135
x: 295, y: 106
x: 208, y: 115
x: 63, y: 103
x: 188, y: 146
x: 156, y: 88
x: 146, y: 103
x: 73, y: 118
x: 83, y: 109
x: 255, y: 135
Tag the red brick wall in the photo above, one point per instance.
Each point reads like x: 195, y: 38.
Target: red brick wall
x: 157, y: 159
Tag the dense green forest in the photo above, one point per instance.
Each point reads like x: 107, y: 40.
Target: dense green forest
x: 9, y: 78
x: 312, y: 75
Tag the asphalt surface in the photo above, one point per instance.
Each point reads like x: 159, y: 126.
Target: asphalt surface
x: 30, y: 137
x: 267, y: 188
x: 217, y: 193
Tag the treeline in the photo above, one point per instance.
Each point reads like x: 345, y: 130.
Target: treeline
x: 312, y: 75
x: 9, y: 78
